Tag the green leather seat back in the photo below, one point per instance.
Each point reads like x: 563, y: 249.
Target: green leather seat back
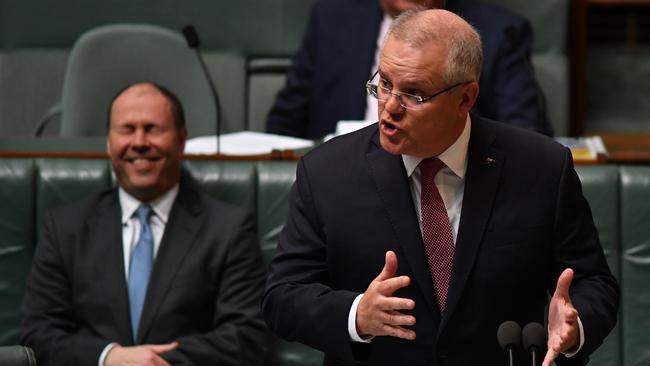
x: 635, y: 264
x: 16, y: 241
x: 600, y: 186
x: 62, y: 180
x: 229, y: 181
x: 275, y: 180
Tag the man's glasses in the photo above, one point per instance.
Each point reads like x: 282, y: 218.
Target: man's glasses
x: 409, y: 101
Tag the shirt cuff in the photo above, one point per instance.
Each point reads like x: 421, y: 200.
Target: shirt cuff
x: 572, y: 352
x: 352, y: 323
x: 102, y: 356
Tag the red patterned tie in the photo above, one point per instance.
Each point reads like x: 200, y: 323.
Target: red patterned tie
x: 436, y: 229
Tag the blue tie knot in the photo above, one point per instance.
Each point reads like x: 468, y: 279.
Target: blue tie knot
x: 144, y: 213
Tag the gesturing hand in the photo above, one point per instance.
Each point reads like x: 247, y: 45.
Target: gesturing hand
x: 563, y: 329
x: 378, y: 312
x: 144, y: 355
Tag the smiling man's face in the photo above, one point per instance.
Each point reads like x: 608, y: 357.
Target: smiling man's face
x: 144, y: 143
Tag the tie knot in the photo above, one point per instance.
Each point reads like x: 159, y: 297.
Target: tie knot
x: 144, y: 212
x: 430, y: 167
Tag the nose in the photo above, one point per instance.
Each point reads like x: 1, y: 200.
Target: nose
x: 140, y: 141
x: 393, y: 104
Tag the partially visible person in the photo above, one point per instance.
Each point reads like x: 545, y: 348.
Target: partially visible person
x: 340, y: 50
x: 410, y: 241
x: 154, y: 272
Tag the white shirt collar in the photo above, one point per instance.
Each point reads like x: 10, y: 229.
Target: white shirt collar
x: 161, y: 206
x: 454, y: 157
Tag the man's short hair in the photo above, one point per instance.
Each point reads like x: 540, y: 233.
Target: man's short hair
x: 465, y: 57
x: 177, y: 108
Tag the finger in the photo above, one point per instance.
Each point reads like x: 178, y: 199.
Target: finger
x: 396, y: 318
x: 563, y: 284
x: 397, y: 331
x: 396, y: 303
x: 550, y: 357
x: 390, y: 267
x: 389, y: 286
x: 162, y: 348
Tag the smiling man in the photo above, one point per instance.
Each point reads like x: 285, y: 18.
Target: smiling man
x: 410, y: 241
x: 140, y: 274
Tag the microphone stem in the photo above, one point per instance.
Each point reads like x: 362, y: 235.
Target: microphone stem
x: 534, y: 353
x: 511, y: 356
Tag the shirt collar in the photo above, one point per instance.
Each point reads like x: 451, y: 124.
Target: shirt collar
x: 161, y: 206
x: 454, y: 157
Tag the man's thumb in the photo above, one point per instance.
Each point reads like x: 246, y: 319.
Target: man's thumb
x: 390, y: 267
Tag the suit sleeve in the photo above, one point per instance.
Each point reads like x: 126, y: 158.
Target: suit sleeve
x: 594, y: 291
x: 299, y: 304
x: 238, y: 335
x: 290, y: 113
x: 518, y: 97
x: 49, y: 324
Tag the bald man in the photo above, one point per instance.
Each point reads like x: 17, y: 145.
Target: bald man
x: 153, y: 272
x: 410, y: 241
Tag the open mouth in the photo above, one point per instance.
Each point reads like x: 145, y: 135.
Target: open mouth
x: 388, y: 128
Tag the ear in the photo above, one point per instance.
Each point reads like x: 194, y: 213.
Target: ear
x: 469, y: 94
x: 182, y: 137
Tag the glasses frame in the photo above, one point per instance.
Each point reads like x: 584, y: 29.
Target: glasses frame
x: 420, y: 99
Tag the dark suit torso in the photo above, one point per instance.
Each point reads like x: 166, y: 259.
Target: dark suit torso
x: 326, y: 82
x: 204, y: 288
x: 523, y: 221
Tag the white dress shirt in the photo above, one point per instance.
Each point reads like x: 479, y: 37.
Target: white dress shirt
x: 161, y: 207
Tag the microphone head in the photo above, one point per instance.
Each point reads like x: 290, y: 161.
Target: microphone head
x: 191, y: 37
x: 509, y: 334
x: 533, y: 335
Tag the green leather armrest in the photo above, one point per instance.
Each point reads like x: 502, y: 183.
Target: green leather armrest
x: 17, y: 356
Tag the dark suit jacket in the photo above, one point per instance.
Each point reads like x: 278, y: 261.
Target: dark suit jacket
x: 326, y: 82
x: 523, y: 221
x: 204, y: 290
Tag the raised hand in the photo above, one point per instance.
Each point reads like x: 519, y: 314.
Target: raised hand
x: 378, y: 313
x: 563, y: 329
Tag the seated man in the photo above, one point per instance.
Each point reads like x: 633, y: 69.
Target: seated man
x: 154, y: 272
x: 340, y: 50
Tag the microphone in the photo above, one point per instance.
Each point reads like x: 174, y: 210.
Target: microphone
x: 533, y: 338
x: 509, y: 337
x: 193, y: 42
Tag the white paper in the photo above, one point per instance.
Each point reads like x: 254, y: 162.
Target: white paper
x: 245, y: 143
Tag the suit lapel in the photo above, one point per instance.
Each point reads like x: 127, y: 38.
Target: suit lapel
x: 393, y: 188
x: 180, y: 231
x: 105, y: 234
x: 484, y: 164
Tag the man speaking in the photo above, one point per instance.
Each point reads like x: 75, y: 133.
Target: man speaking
x: 410, y: 241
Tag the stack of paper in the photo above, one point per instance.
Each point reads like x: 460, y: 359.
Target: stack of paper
x: 245, y: 143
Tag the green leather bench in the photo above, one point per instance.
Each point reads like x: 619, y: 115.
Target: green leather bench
x: 29, y: 187
x: 618, y: 196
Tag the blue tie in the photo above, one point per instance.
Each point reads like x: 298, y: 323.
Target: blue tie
x: 140, y: 268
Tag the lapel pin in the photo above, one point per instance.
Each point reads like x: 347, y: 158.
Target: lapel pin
x: 490, y: 162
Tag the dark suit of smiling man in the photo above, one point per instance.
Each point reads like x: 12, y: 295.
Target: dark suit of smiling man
x: 410, y: 241
x: 154, y: 272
